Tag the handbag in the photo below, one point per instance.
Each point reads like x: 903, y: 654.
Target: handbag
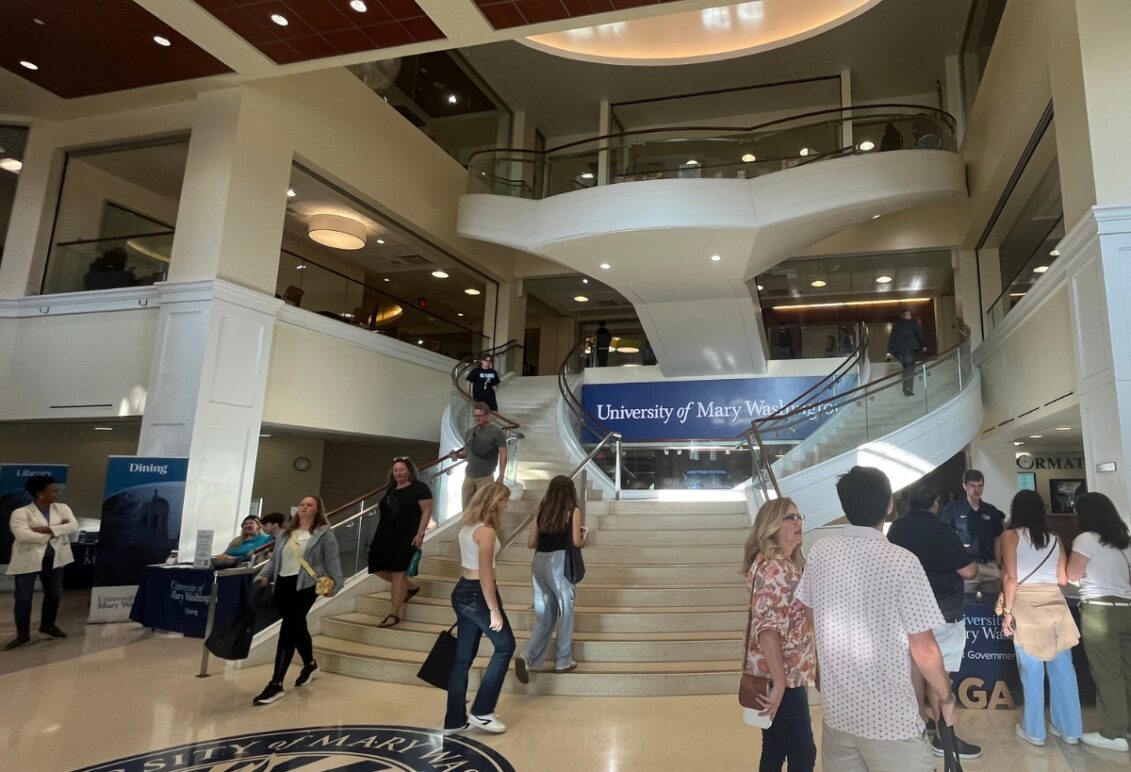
x: 999, y: 604
x: 437, y: 667
x: 323, y: 585
x: 414, y: 563
x: 574, y: 563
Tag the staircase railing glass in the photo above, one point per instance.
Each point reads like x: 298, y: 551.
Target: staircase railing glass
x: 722, y: 152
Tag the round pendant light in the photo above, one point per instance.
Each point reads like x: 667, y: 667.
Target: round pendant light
x: 336, y: 231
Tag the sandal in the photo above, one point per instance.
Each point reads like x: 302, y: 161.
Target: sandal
x: 396, y: 621
x: 410, y: 594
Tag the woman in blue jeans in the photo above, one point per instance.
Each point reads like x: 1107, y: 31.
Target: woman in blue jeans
x: 479, y: 612
x: 1037, y: 617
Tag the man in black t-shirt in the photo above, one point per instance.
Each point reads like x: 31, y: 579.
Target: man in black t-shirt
x: 482, y: 382
x: 603, y: 341
x: 946, y: 563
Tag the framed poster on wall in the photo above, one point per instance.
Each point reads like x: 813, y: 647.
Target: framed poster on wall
x: 1063, y: 493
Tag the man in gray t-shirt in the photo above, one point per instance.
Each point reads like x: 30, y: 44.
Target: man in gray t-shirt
x: 485, y: 448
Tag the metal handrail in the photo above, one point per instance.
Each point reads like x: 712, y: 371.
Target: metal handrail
x: 126, y: 237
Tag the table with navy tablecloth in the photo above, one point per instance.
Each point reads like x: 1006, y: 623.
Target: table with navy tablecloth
x: 175, y: 598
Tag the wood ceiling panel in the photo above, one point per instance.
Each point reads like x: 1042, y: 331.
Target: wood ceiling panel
x: 317, y: 29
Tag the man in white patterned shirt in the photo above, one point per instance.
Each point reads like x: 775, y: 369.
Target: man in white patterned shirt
x: 872, y: 608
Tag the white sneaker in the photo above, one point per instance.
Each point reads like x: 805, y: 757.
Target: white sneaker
x: 1056, y: 733
x: 1097, y: 740
x: 487, y: 723
x: 1031, y: 740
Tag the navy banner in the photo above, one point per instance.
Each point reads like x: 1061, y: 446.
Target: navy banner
x: 13, y: 478
x: 687, y: 410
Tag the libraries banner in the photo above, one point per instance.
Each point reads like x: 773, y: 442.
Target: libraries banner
x: 141, y: 525
x: 687, y: 410
x: 13, y: 478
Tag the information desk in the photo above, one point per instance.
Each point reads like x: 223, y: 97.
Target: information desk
x: 989, y: 677
x: 175, y: 598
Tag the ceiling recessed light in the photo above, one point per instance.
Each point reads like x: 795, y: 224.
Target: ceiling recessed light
x: 25, y: 63
x: 1036, y: 436
x: 386, y: 280
x: 883, y: 280
x: 1064, y: 428
x: 452, y: 99
x: 380, y: 241
x: 420, y: 342
x: 162, y: 41
x: 279, y: 19
x: 265, y: 436
x: 584, y: 281
x: 760, y: 287
x: 581, y: 298
x: 300, y: 267
x: 1019, y: 443
x: 359, y: 6
x: 460, y: 313
x: 38, y: 21
x: 587, y: 175
x: 818, y: 283
x: 472, y: 291
x: 11, y: 165
x: 1040, y: 269
x: 805, y: 151
x: 1054, y: 253
x: 749, y: 158
x: 875, y: 217
x: 291, y: 193
x: 605, y: 266
x: 440, y: 273
x: 690, y: 162
x: 104, y: 428
x: 716, y: 258
x: 867, y: 145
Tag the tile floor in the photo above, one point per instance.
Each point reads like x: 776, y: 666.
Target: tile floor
x: 111, y: 691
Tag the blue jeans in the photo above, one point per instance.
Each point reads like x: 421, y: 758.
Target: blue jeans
x: 473, y: 621
x: 1064, y: 694
x: 790, y: 737
x: 553, y: 604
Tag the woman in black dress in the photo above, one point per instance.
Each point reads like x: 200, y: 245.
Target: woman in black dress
x: 405, y: 510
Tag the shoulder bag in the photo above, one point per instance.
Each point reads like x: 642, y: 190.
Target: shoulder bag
x: 999, y: 604
x: 574, y: 563
x: 323, y: 585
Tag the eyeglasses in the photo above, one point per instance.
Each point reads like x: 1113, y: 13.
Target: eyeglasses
x: 794, y: 519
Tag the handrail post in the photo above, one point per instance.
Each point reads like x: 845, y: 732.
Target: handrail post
x: 617, y: 480
x: 584, y: 499
x: 212, y: 598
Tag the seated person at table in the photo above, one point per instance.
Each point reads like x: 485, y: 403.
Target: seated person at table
x: 250, y: 539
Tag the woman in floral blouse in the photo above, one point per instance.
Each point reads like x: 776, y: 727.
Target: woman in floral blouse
x: 780, y: 643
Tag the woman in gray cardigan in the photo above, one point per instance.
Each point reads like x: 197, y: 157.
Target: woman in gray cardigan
x: 303, y: 552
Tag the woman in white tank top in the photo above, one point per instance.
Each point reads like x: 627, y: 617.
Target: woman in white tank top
x: 1038, y: 619
x: 1101, y: 561
x: 479, y: 612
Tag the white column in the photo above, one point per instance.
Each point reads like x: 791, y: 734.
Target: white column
x: 33, y: 214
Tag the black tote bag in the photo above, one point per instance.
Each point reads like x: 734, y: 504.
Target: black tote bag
x: 437, y: 668
x: 574, y: 563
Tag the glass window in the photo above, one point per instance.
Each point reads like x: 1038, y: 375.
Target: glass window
x: 981, y: 29
x: 13, y: 139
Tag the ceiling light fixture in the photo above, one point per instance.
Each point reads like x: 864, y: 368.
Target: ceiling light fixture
x: 265, y: 436
x: 587, y: 175
x: 883, y: 280
x: 359, y: 6
x: 300, y: 267
x: 1018, y: 443
x: 420, y: 342
x: 336, y: 231
x: 1036, y: 436
x: 605, y: 266
x: 850, y: 304
x: 628, y: 349
x: 380, y: 241
x: 162, y: 41
x: 386, y: 280
x: 28, y: 65
x: 749, y: 158
x: 690, y: 162
x: 1040, y: 269
x: 581, y: 298
x: 12, y: 165
x: 760, y: 287
x: 584, y: 281
x: 38, y: 21
x: 291, y: 193
x: 452, y: 99
x: 875, y: 217
x: 104, y: 428
x: 472, y: 291
x: 716, y: 258
x: 818, y: 283
x: 867, y: 145
x: 1064, y: 428
x: 439, y: 273
x: 1054, y: 253
x: 279, y: 19
x: 460, y: 313
x: 804, y: 152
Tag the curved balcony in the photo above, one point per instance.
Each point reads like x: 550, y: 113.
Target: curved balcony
x: 710, y: 152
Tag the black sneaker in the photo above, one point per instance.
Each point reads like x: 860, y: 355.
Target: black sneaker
x: 932, y: 732
x: 306, y: 675
x: 52, y: 631
x: 965, y: 750
x: 270, y: 693
x: 16, y: 642
x: 521, y: 671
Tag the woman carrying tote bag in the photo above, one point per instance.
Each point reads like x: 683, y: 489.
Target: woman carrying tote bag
x: 1037, y: 617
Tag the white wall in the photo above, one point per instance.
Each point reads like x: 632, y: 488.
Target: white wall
x: 277, y: 482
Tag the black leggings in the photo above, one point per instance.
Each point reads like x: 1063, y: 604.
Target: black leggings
x: 293, y: 606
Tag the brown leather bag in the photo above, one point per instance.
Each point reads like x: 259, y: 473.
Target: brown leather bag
x: 750, y: 688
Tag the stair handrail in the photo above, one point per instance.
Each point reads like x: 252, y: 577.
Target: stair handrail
x: 853, y: 360
x: 256, y: 567
x: 757, y: 426
x: 578, y: 472
x: 468, y: 362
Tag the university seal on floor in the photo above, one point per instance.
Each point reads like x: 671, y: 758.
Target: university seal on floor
x: 321, y: 749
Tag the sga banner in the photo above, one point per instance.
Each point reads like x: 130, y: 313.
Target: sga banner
x: 13, y: 478
x: 688, y: 410
x: 141, y: 525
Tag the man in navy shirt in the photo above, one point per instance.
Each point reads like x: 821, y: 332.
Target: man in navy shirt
x: 979, y: 525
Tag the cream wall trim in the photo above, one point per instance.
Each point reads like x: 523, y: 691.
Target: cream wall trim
x: 370, y: 341
x: 123, y: 299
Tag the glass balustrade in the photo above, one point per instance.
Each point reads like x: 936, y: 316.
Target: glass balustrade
x: 649, y: 466
x: 1039, y: 262
x: 704, y: 152
x: 309, y: 285
x: 109, y: 263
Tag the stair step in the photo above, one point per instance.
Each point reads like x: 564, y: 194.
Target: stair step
x: 646, y: 555
x: 680, y: 522
x: 519, y: 594
x: 674, y: 574
x: 719, y: 537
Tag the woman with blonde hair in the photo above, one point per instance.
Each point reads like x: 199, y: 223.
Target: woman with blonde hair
x: 479, y: 612
x: 557, y: 525
x: 780, y: 644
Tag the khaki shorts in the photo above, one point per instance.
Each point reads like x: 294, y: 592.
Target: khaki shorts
x: 470, y: 486
x: 843, y: 752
